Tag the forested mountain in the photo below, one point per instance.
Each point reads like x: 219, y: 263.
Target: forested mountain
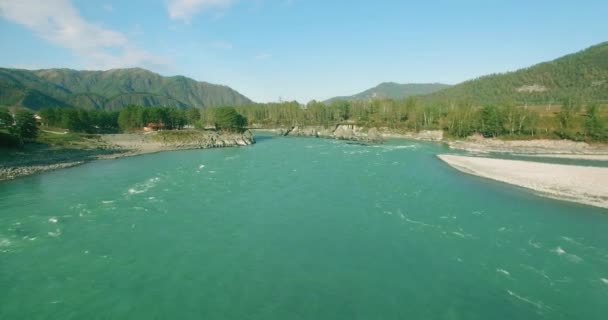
x: 109, y: 90
x: 392, y: 90
x: 582, y: 76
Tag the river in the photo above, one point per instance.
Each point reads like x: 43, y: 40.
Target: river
x: 294, y: 228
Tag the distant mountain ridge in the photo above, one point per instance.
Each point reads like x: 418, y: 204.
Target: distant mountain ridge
x: 582, y: 75
x: 109, y: 90
x: 394, y: 90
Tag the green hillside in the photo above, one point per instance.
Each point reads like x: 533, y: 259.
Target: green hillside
x: 109, y: 90
x: 580, y: 76
x: 392, y: 90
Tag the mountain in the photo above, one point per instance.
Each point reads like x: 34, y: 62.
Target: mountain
x: 109, y: 90
x: 394, y: 91
x: 582, y: 75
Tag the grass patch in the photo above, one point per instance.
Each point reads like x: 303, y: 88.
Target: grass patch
x: 68, y: 140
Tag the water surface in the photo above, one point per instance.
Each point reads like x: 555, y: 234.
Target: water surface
x: 294, y: 228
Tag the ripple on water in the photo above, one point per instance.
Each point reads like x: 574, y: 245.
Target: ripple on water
x: 539, y: 305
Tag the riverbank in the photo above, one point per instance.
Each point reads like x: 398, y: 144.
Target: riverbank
x: 38, y: 157
x: 565, y: 149
x: 544, y: 148
x: 586, y: 185
x: 354, y: 132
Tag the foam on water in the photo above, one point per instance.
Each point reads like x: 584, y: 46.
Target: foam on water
x: 55, y: 233
x: 503, y: 271
x: 574, y: 258
x: 4, y: 243
x: 604, y: 280
x: 144, y: 186
x: 536, y: 245
x: 387, y: 148
x: 559, y: 251
x: 538, y: 304
x: 53, y: 220
x: 461, y: 233
x: 571, y: 240
x: 356, y: 152
x: 421, y: 223
x: 570, y: 257
x: 542, y: 273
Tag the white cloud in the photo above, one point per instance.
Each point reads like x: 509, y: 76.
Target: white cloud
x: 263, y: 56
x: 58, y: 22
x: 185, y: 9
x: 108, y: 7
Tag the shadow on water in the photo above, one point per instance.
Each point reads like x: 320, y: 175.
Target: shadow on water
x: 263, y: 137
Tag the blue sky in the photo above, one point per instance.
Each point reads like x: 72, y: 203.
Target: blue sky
x: 298, y: 49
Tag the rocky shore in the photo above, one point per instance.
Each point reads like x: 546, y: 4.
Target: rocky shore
x: 29, y: 162
x: 9, y: 173
x: 357, y: 133
x: 137, y: 144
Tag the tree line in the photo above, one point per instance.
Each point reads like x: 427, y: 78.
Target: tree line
x: 17, y: 128
x: 134, y: 118
x: 461, y: 118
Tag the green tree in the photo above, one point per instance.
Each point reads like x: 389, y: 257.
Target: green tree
x: 226, y: 118
x: 25, y: 125
x: 462, y: 120
x: 566, y: 117
x: 491, y: 122
x: 193, y: 116
x: 129, y: 118
x: 593, y: 126
x: 70, y: 119
x: 51, y: 117
x: 6, y: 119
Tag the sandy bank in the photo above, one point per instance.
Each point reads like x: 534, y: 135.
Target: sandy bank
x: 587, y: 185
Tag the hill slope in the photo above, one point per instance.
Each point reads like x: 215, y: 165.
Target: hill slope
x: 582, y: 75
x: 394, y: 90
x: 111, y: 90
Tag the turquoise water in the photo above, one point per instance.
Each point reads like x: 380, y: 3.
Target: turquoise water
x: 294, y: 229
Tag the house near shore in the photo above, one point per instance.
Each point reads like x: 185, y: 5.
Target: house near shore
x: 38, y: 119
x: 154, y: 126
